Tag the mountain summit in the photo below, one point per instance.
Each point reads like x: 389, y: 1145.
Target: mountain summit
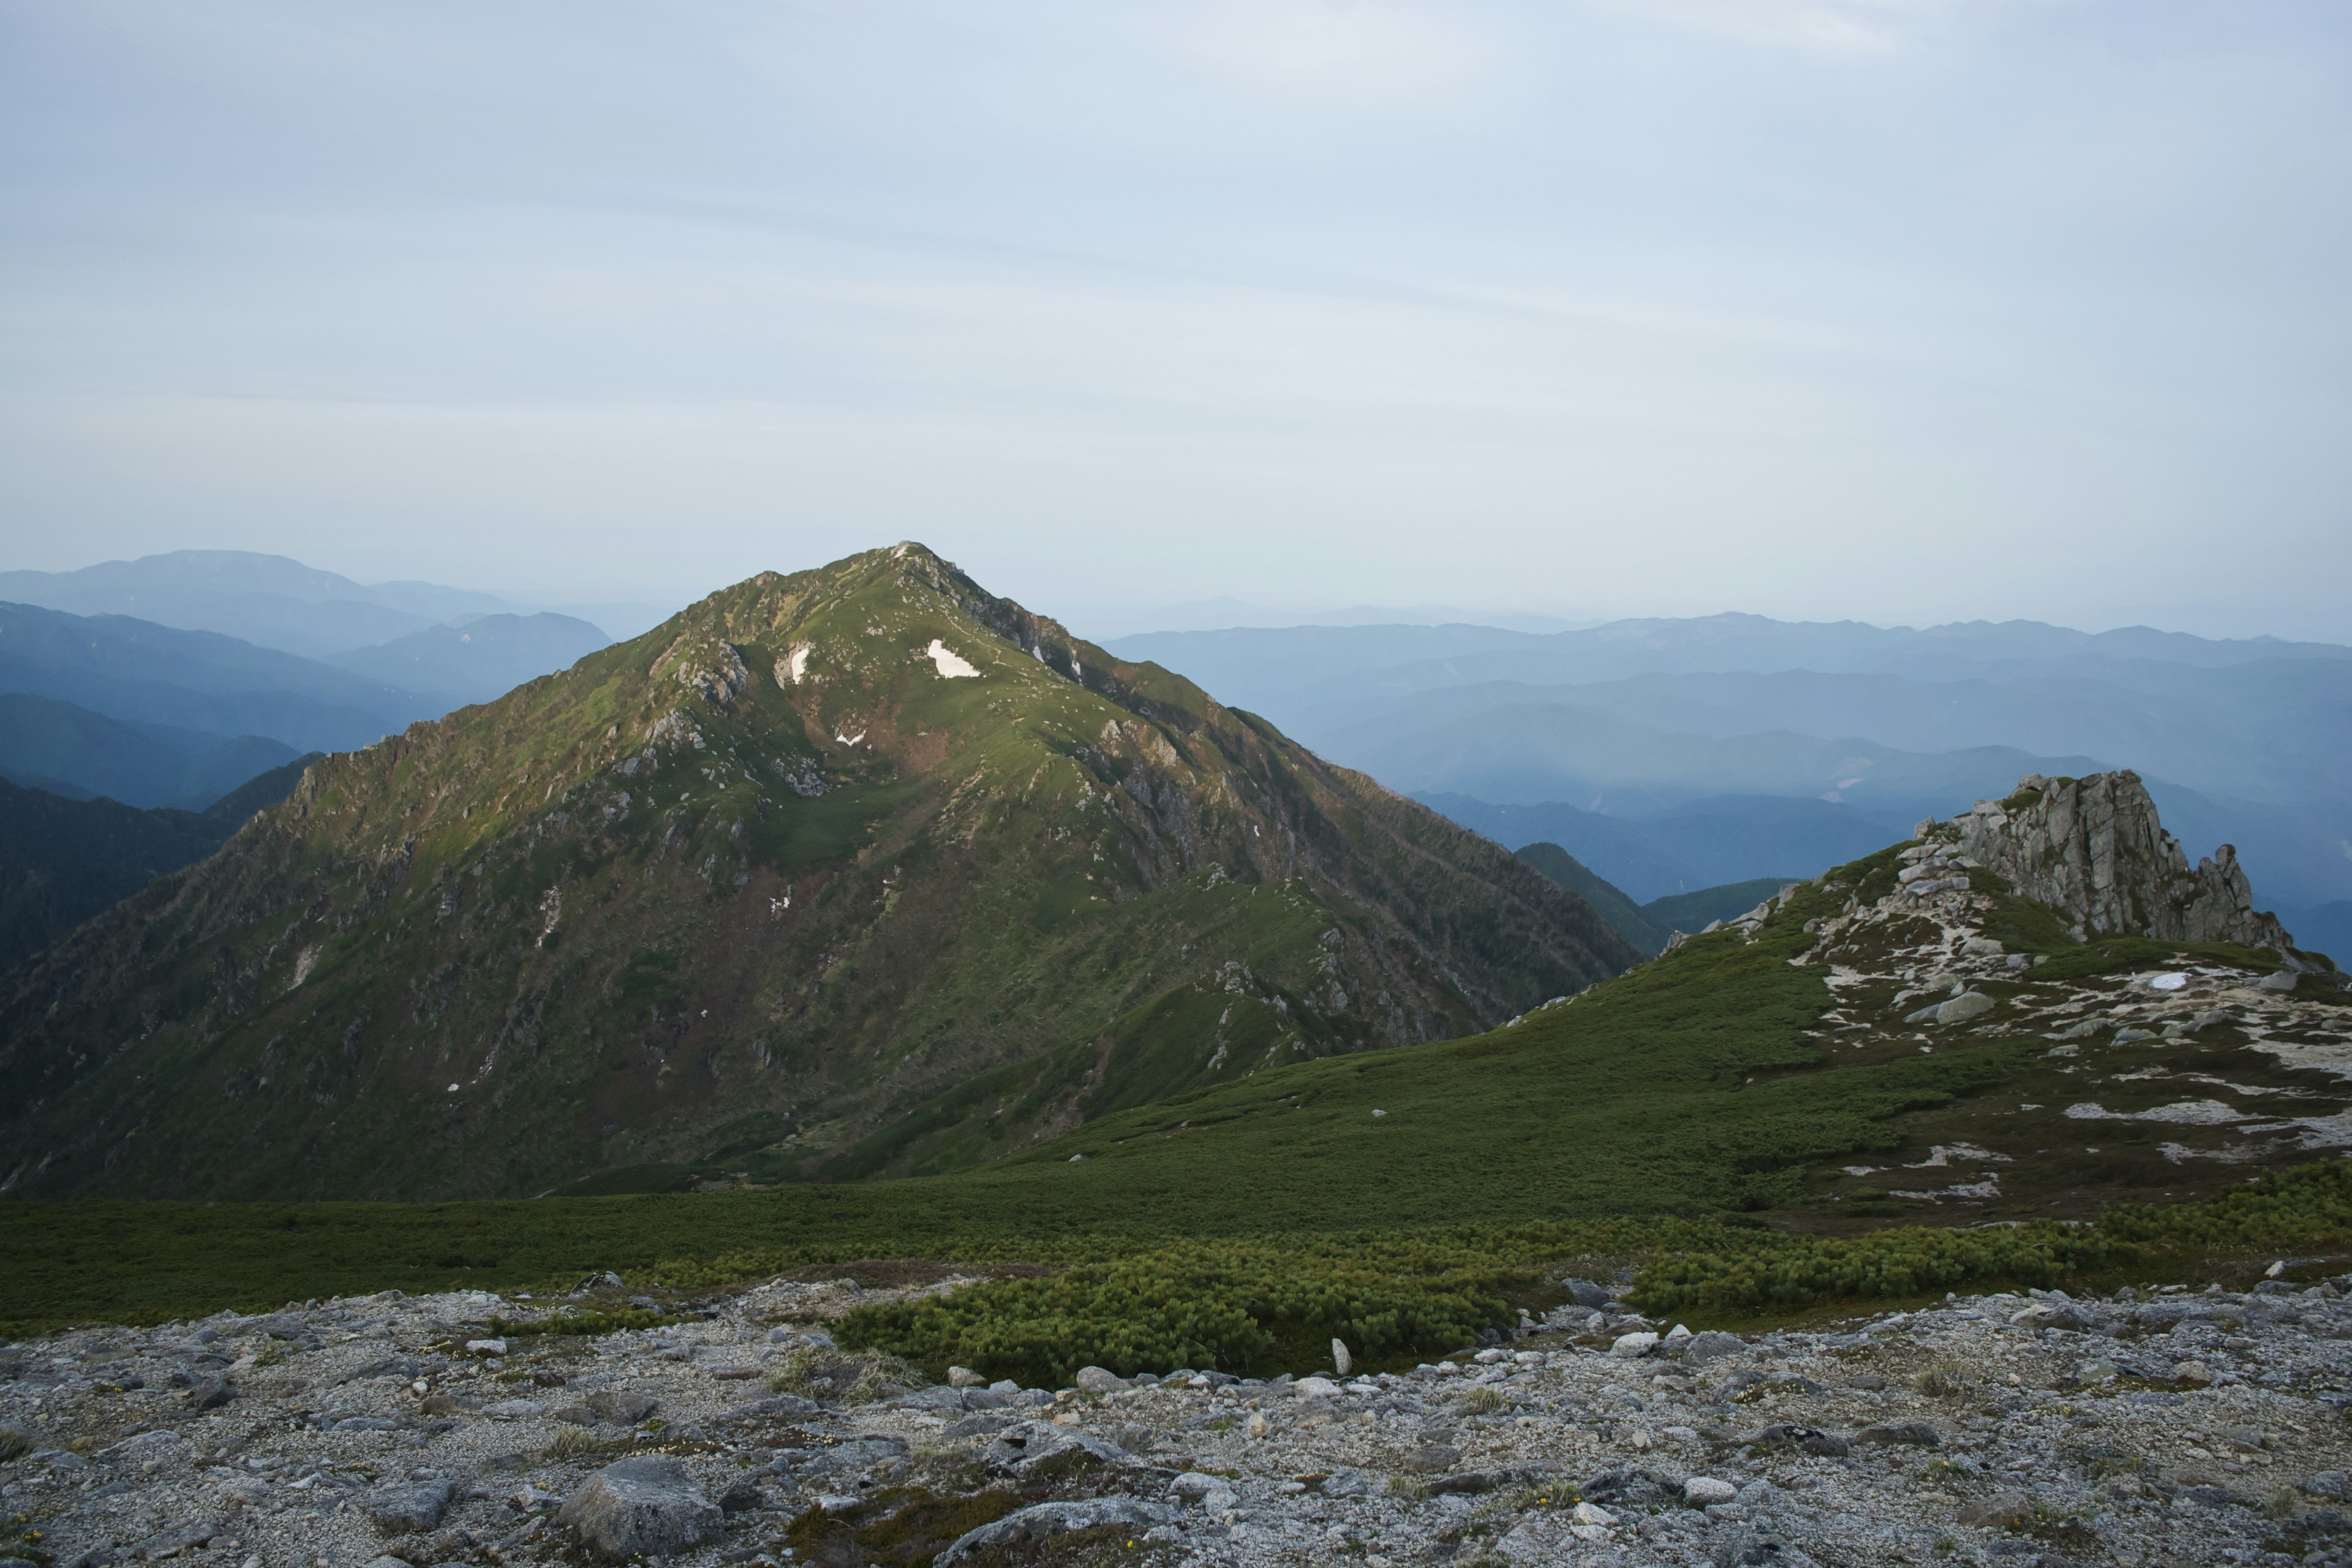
x: 853, y: 872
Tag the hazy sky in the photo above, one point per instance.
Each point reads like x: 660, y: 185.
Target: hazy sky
x: 1901, y: 309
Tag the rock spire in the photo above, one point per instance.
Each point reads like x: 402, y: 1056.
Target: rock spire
x: 2093, y: 849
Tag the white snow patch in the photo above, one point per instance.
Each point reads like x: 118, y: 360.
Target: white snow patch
x: 795, y: 665
x: 849, y: 740
x: 951, y: 665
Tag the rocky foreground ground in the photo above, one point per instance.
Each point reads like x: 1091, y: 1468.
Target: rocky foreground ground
x: 2175, y: 1426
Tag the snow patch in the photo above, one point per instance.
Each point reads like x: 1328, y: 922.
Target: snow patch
x: 950, y: 664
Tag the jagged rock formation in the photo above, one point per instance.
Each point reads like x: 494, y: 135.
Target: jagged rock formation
x: 857, y: 871
x: 2092, y: 849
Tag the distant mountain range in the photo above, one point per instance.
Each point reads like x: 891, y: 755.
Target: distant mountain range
x: 274, y: 601
x: 1651, y: 742
x: 153, y: 715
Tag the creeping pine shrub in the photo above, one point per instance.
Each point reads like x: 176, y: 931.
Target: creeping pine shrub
x: 1910, y: 1261
x: 2308, y: 1205
x: 1205, y: 1304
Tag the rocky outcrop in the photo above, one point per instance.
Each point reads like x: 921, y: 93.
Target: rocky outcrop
x: 2093, y: 849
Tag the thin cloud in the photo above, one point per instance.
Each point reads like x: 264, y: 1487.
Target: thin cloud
x: 1331, y: 53
x: 1826, y: 26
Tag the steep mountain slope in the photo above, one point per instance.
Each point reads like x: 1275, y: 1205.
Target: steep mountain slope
x: 1624, y: 916
x: 853, y: 872
x: 478, y: 660
x: 49, y: 744
x: 62, y: 861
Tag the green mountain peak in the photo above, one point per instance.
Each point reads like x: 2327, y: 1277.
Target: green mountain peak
x: 851, y: 871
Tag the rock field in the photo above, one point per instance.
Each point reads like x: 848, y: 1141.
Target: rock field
x: 2171, y: 1427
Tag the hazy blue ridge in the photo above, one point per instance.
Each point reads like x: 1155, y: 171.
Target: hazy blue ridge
x: 479, y: 660
x: 44, y: 741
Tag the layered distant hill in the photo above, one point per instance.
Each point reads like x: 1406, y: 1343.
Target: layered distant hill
x: 853, y: 872
x: 276, y: 602
x: 1727, y: 747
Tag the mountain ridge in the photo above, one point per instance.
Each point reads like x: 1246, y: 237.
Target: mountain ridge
x: 908, y: 836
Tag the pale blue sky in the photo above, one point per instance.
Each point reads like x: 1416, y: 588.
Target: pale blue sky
x: 1901, y: 309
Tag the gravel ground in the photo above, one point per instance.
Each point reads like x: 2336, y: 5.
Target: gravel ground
x: 2174, y: 1427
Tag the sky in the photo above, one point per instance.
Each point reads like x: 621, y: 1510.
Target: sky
x: 1901, y: 310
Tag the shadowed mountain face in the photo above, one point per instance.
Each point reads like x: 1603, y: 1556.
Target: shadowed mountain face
x: 62, y: 861
x: 855, y: 871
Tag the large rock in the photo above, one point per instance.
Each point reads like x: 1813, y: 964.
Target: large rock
x: 1711, y: 1344
x: 1587, y: 1293
x: 2093, y: 849
x: 645, y: 1506
x: 619, y: 1406
x: 1041, y: 1451
x: 1048, y: 1519
x: 1966, y: 1006
x: 417, y: 1505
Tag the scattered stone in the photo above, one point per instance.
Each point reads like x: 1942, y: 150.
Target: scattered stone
x: 1911, y: 1434
x: 1700, y: 1491
x: 210, y: 1393
x: 1999, y: 1511
x: 643, y: 1506
x: 1098, y: 1379
x: 1640, y: 1343
x: 1430, y: 1459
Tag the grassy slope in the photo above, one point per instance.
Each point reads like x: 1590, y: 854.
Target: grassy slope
x: 673, y: 907
x: 1691, y: 1086
x: 1633, y: 1099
